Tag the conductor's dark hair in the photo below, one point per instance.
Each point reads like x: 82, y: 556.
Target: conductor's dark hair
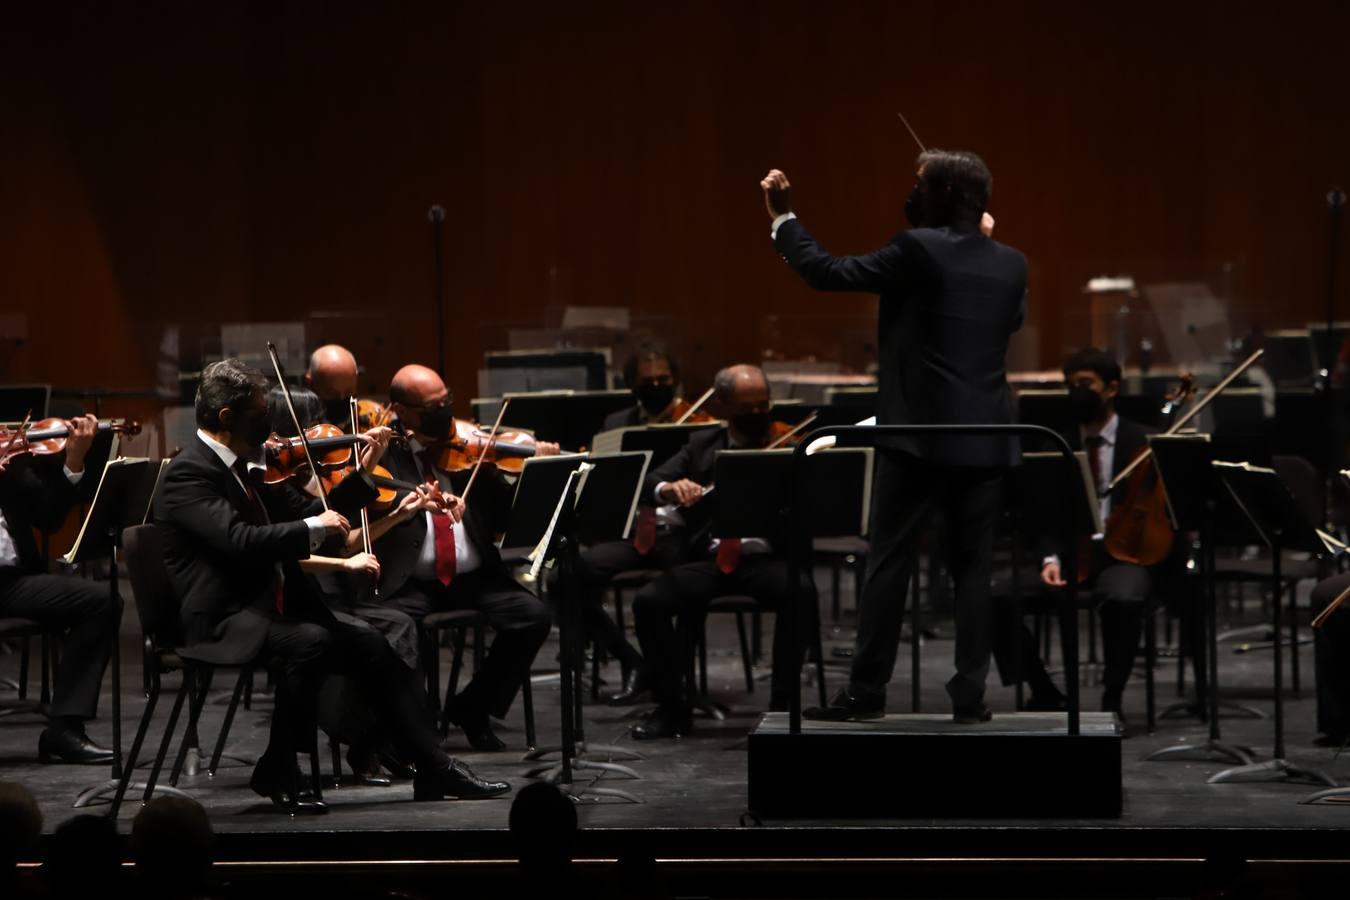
x: 1093, y: 359
x: 958, y: 182
x: 649, y: 350
x: 226, y: 384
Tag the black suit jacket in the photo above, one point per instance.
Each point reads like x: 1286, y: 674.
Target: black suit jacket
x: 486, y: 515
x: 624, y: 418
x: 36, y: 494
x: 222, y: 562
x: 950, y: 300
x: 1131, y: 438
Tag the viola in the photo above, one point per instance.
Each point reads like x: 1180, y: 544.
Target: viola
x: 47, y: 437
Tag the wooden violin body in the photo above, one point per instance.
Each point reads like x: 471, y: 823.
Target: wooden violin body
x: 469, y: 443
x: 47, y: 437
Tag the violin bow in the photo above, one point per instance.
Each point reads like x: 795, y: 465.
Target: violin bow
x: 693, y: 409
x: 922, y: 148
x: 365, y: 516
x: 299, y: 429
x: 482, y: 454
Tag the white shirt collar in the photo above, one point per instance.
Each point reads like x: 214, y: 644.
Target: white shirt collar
x: 1108, y: 432
x: 228, y: 456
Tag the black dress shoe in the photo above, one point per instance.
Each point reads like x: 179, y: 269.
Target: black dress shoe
x: 846, y: 707
x: 366, y: 768
x: 285, y: 792
x: 476, y: 727
x: 971, y: 715
x: 635, y: 685
x: 71, y: 745
x: 455, y: 780
x: 663, y: 722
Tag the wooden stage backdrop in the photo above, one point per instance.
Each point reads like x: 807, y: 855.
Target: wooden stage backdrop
x: 192, y: 162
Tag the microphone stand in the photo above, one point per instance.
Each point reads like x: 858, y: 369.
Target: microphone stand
x: 436, y: 216
x: 1335, y: 205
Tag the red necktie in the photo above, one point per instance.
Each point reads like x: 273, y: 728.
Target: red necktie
x: 444, y: 536
x: 644, y: 532
x: 728, y: 554
x: 260, y: 513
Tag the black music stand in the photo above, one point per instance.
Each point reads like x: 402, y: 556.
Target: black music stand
x: 570, y: 418
x: 1195, y: 501
x: 596, y: 501
x: 121, y: 499
x: 1275, y: 514
x: 664, y: 441
x: 753, y: 488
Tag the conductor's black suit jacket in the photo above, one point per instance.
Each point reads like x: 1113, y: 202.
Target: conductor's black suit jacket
x: 222, y: 562
x: 950, y: 300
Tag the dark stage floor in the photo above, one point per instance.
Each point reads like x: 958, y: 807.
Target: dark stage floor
x: 694, y: 790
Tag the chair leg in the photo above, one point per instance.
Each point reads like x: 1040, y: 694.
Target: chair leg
x: 196, y: 700
x: 479, y: 648
x: 183, y: 691
x: 315, y: 776
x: 757, y: 635
x: 820, y: 665
x: 248, y: 692
x: 703, y: 656
x: 45, y: 695
x: 1292, y: 615
x: 1150, y: 659
x: 527, y: 701
x: 23, y: 669
x: 836, y: 576
x: 431, y: 665
x: 335, y: 752
x: 595, y: 671
x: 239, y: 685
x: 129, y: 765
x: 745, y: 653
x: 457, y: 648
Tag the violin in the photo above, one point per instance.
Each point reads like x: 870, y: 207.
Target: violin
x: 684, y: 411
x: 1139, y: 529
x: 373, y: 414
x: 47, y: 437
x: 330, y: 445
x: 468, y: 444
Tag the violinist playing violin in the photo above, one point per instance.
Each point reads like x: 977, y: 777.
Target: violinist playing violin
x: 751, y: 565
x: 442, y: 561
x: 332, y: 375
x: 1121, y: 588
x: 653, y: 375
x: 237, y: 551
x: 38, y: 493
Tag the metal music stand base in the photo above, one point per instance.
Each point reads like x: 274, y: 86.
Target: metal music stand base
x: 1188, y: 708
x: 106, y: 791
x: 1333, y: 797
x: 1243, y: 756
x: 578, y: 792
x: 1272, y: 770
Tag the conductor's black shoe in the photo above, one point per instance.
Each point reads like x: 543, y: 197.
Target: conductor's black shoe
x: 71, y: 745
x: 455, y: 780
x: 971, y: 715
x: 476, y: 726
x: 634, y: 687
x: 285, y: 792
x: 845, y: 706
x: 1047, y: 702
x: 663, y: 722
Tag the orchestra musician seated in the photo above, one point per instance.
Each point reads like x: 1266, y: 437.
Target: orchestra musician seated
x: 37, y: 493
x: 236, y: 551
x: 751, y: 565
x: 433, y: 561
x: 652, y: 373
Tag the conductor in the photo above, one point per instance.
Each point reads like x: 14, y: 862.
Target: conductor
x: 951, y: 297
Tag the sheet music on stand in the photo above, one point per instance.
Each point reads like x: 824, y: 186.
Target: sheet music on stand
x: 125, y: 490
x: 606, y: 502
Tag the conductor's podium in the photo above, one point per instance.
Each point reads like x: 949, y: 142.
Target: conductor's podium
x: 1017, y: 765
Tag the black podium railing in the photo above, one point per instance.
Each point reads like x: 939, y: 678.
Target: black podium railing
x: 871, y: 436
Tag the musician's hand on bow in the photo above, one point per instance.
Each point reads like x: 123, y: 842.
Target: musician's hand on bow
x: 80, y: 438
x: 776, y: 196
x: 453, y: 507
x: 334, y: 523
x: 682, y: 493
x: 546, y: 448
x: 377, y: 441
x: 1050, y: 575
x: 987, y: 225
x: 363, y: 562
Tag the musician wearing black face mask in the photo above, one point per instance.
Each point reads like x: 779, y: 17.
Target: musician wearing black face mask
x: 951, y: 297
x: 1120, y: 589
x: 752, y: 565
x: 653, y: 375
x: 436, y: 561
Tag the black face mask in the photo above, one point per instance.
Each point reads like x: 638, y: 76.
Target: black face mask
x: 914, y: 207
x: 338, y: 412
x: 753, y: 425
x: 654, y: 396
x: 1085, y: 403
x: 253, y: 429
x: 436, y: 422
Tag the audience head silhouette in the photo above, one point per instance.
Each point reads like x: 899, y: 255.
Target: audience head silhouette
x: 84, y: 857
x: 173, y: 844
x: 544, y: 826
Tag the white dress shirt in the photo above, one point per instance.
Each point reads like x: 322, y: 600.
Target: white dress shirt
x: 9, y: 551
x: 467, y: 557
x: 778, y: 222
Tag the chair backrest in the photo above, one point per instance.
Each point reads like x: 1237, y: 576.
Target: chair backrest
x: 143, y: 553
x: 1301, y: 477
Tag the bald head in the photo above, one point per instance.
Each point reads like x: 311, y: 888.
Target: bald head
x: 739, y: 380
x: 332, y: 372
x: 742, y: 394
x: 414, y: 392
